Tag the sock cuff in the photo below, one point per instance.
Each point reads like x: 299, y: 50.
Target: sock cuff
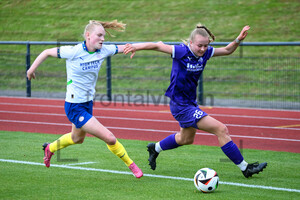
x: 69, y: 137
x: 243, y: 165
x: 169, y: 143
x: 227, y: 146
x: 158, y: 148
x: 62, y: 142
x: 232, y: 152
x: 114, y: 146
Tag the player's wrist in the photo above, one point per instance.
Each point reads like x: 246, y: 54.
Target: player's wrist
x: 237, y: 41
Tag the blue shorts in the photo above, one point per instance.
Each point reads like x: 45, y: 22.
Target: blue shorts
x: 186, y: 114
x: 79, y: 113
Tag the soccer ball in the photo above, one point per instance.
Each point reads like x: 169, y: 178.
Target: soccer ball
x: 206, y: 180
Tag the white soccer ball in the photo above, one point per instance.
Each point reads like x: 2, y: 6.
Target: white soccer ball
x: 206, y: 180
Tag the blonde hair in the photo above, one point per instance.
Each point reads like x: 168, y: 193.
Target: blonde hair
x: 200, y: 30
x: 115, y: 25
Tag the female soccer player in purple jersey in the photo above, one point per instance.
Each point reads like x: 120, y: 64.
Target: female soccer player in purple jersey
x: 83, y: 62
x: 189, y: 61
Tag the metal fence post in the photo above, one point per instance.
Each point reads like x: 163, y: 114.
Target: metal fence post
x: 200, y: 90
x: 241, y: 50
x: 108, y: 77
x: 28, y: 82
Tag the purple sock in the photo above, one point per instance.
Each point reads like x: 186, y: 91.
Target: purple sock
x: 232, y: 152
x: 169, y: 142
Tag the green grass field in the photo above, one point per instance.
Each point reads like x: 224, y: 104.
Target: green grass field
x: 65, y: 181
x: 167, y: 20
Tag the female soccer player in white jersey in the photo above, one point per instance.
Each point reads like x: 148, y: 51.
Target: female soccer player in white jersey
x: 189, y: 61
x: 83, y: 62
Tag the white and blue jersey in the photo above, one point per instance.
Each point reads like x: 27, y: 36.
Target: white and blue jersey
x: 82, y: 70
x: 186, y: 70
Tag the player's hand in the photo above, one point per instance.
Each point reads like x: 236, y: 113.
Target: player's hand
x: 129, y: 48
x: 30, y: 74
x: 243, y: 33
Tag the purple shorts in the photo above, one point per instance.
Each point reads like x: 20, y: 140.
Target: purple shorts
x: 186, y: 114
x: 79, y: 113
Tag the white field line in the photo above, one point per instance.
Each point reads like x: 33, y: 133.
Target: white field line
x: 150, y: 175
x: 148, y: 130
x: 256, y: 117
x: 83, y: 163
x: 154, y: 111
x: 148, y: 120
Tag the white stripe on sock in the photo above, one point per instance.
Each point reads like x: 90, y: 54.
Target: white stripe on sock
x: 243, y: 165
x: 158, y: 149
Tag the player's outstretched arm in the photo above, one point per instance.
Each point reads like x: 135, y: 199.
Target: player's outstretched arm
x: 230, y: 48
x: 159, y: 46
x: 48, y: 52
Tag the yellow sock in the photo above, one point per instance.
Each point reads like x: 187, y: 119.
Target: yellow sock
x: 63, y: 141
x: 120, y: 151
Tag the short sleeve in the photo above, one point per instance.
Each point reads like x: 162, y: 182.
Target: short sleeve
x: 66, y: 51
x: 178, y: 51
x: 109, y: 50
x: 209, y: 52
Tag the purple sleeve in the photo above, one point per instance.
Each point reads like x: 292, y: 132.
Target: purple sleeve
x: 209, y: 53
x: 178, y: 51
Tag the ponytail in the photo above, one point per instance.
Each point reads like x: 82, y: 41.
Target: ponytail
x: 115, y: 25
x: 202, y: 30
x: 199, y: 26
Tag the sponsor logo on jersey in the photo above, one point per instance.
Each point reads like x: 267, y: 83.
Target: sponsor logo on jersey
x: 90, y: 65
x: 194, y: 67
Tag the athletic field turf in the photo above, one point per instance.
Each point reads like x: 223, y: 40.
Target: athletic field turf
x: 91, y: 171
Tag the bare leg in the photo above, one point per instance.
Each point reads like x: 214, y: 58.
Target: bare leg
x: 95, y: 128
x: 211, y: 125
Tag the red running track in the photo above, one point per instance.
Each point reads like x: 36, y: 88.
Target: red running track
x: 276, y: 130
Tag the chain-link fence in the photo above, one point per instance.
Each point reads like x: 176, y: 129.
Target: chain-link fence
x: 256, y: 75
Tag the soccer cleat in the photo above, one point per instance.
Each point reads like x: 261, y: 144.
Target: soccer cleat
x: 136, y: 170
x: 254, y: 168
x: 47, y: 154
x: 152, y: 155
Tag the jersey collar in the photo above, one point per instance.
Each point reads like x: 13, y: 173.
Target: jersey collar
x: 197, y: 57
x: 85, y: 48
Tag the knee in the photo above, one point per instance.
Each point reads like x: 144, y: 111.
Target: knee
x: 78, y: 140
x: 111, y: 140
x: 78, y: 136
x: 223, y: 131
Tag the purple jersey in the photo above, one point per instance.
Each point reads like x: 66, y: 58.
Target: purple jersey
x: 186, y: 70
